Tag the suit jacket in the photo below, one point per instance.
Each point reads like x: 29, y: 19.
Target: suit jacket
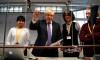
x: 41, y: 27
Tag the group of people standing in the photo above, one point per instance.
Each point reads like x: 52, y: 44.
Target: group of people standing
x: 50, y: 32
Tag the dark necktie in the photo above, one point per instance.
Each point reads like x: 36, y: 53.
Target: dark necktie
x: 49, y: 35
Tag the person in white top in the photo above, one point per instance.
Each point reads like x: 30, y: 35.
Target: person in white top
x: 18, y: 35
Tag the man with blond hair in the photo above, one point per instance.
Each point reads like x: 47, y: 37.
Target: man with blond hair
x: 48, y: 33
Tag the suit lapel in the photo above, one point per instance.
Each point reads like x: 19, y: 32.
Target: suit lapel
x: 53, y: 29
x: 45, y: 27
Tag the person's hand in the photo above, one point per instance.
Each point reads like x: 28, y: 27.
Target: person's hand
x: 61, y: 48
x: 79, y: 49
x: 55, y: 44
x: 36, y: 15
x: 88, y: 36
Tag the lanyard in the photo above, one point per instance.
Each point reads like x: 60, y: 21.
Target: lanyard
x: 18, y: 34
x: 90, y: 29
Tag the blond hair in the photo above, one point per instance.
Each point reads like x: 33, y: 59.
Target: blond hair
x: 49, y: 10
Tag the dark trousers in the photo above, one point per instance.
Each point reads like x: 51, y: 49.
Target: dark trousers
x: 25, y: 52
x: 88, y: 51
x: 97, y: 50
x: 50, y: 53
x: 75, y: 54
x: 11, y: 59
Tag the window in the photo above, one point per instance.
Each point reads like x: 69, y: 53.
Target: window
x: 81, y: 17
x: 59, y: 9
x: 20, y: 9
x: 1, y: 9
x: 43, y: 8
x: 80, y: 14
x: 11, y: 9
x: 5, y: 9
x: 16, y: 9
x: 81, y: 22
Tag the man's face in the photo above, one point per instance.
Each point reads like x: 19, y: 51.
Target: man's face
x: 88, y: 11
x: 49, y: 16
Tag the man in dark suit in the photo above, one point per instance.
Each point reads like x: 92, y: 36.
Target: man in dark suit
x: 48, y: 33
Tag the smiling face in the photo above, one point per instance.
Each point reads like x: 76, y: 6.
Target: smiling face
x: 20, y: 21
x: 20, y: 24
x: 68, y: 18
x: 49, y: 14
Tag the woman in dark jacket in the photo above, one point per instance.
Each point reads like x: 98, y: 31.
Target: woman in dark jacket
x: 70, y: 35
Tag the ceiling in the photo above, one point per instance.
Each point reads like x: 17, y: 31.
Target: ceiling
x: 52, y: 1
x: 75, y: 4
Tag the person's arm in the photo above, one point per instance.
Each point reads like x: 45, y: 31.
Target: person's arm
x: 8, y: 39
x: 83, y: 34
x: 95, y: 34
x: 27, y: 36
x: 34, y: 26
x: 34, y: 22
x: 77, y: 26
x: 36, y: 15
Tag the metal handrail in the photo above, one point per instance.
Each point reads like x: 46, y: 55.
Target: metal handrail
x: 15, y: 46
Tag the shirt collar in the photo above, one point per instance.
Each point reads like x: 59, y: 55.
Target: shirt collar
x: 69, y: 23
x: 49, y: 22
